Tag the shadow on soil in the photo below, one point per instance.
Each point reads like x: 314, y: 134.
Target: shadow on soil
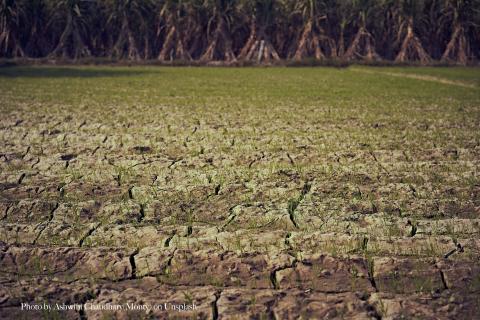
x: 68, y: 72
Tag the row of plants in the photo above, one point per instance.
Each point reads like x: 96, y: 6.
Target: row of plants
x: 242, y: 30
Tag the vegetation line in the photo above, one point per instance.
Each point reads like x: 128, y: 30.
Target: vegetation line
x: 417, y: 77
x: 294, y: 203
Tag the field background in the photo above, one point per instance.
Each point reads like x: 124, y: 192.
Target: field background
x: 253, y: 192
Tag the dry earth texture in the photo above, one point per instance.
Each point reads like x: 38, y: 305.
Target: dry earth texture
x: 263, y: 193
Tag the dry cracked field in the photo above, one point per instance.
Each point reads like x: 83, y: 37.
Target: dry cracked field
x: 255, y: 193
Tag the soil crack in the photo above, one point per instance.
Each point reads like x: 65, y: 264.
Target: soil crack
x: 88, y: 234
x: 444, y: 281
x: 215, y: 305
x: 294, y: 203
x: 50, y: 218
x: 89, y: 296
x: 132, y: 264
x: 458, y: 249
x: 21, y: 178
x: 273, y: 274
x: 371, y: 273
x: 378, y: 162
x: 141, y: 215
x: 169, y: 239
x: 231, y: 217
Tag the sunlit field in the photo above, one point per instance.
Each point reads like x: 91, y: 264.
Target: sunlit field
x: 264, y: 193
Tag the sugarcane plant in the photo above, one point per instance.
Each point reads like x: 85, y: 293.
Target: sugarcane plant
x: 363, y: 44
x: 459, y: 17
x: 73, y: 15
x: 261, y: 18
x: 230, y: 31
x: 11, y: 15
x: 313, y: 41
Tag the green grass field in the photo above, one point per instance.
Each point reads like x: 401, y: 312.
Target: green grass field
x: 250, y: 192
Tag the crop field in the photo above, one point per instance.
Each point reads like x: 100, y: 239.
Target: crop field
x: 240, y: 193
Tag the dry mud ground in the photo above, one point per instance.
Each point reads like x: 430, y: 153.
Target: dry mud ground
x: 266, y: 193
